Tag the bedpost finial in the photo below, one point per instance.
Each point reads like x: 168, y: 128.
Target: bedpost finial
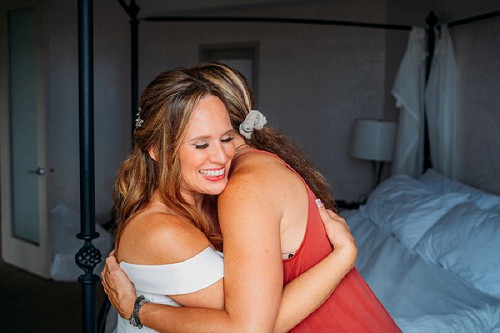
x: 431, y: 19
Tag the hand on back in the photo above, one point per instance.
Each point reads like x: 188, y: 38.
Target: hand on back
x: 338, y: 232
x: 120, y: 290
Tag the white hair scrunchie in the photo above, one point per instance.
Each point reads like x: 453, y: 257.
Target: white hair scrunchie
x: 253, y: 120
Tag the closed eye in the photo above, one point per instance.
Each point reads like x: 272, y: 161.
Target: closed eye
x: 229, y: 139
x: 225, y: 138
x: 202, y: 146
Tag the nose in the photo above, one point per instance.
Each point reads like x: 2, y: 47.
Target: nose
x: 221, y: 153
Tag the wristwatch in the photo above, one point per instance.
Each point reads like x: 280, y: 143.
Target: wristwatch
x: 134, y: 318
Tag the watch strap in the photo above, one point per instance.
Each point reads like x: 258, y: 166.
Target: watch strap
x: 134, y: 318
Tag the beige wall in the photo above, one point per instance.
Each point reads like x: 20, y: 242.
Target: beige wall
x: 313, y: 82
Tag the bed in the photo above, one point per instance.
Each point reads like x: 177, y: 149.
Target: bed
x: 430, y: 250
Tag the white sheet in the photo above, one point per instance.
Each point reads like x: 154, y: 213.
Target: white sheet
x: 421, y: 297
x: 407, y: 208
x: 441, y: 106
x: 408, y: 91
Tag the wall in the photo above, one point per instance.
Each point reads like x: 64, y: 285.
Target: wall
x: 111, y: 101
x: 314, y: 81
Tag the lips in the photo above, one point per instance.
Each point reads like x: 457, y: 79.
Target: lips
x: 213, y: 173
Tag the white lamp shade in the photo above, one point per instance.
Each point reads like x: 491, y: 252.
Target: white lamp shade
x: 373, y: 139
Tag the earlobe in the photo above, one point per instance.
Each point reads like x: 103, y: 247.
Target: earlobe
x: 153, y: 153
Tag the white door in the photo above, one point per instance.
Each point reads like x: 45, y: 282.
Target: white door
x: 25, y: 239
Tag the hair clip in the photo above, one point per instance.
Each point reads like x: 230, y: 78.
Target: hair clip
x: 253, y: 121
x: 138, y: 119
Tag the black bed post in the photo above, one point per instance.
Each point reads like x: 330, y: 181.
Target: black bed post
x: 88, y: 256
x: 431, y: 21
x: 132, y: 11
x: 134, y: 66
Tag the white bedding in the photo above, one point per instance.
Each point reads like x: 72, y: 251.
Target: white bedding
x: 421, y: 294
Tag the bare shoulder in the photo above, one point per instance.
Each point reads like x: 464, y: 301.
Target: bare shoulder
x: 262, y: 173
x: 160, y: 238
x: 260, y: 180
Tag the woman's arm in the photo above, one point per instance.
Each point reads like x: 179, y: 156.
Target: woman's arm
x: 250, y: 210
x: 309, y: 290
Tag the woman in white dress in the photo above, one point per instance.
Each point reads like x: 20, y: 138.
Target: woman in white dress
x: 167, y: 236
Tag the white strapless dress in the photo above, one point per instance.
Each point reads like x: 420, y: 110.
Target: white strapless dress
x: 157, y: 281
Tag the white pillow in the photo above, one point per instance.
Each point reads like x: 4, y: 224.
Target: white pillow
x: 466, y: 241
x: 442, y: 184
x: 407, y: 208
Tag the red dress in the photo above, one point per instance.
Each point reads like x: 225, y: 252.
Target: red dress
x: 352, y: 307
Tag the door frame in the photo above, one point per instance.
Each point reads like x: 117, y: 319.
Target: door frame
x: 226, y: 52
x: 33, y: 258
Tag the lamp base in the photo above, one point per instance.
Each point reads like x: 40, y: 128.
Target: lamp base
x: 378, y: 166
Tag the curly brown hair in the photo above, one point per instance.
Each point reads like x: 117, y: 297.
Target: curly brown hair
x: 238, y: 98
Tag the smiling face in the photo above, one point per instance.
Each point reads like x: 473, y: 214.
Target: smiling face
x: 206, y: 151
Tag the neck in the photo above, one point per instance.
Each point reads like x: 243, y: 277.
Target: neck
x: 239, y: 145
x: 239, y: 142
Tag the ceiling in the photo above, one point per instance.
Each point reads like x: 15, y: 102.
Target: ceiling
x: 448, y: 9
x: 170, y: 7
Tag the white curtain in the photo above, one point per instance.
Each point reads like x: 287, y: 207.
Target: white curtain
x: 409, y: 93
x: 441, y: 105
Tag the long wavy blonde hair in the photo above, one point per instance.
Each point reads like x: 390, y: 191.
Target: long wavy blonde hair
x: 166, y: 106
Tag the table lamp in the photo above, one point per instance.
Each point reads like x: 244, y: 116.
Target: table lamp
x: 373, y: 140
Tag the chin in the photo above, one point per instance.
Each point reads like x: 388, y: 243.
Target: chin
x: 216, y: 189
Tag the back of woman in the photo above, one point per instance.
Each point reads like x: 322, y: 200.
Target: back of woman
x: 353, y: 307
x: 272, y: 178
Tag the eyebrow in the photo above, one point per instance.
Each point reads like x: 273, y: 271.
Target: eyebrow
x: 205, y: 137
